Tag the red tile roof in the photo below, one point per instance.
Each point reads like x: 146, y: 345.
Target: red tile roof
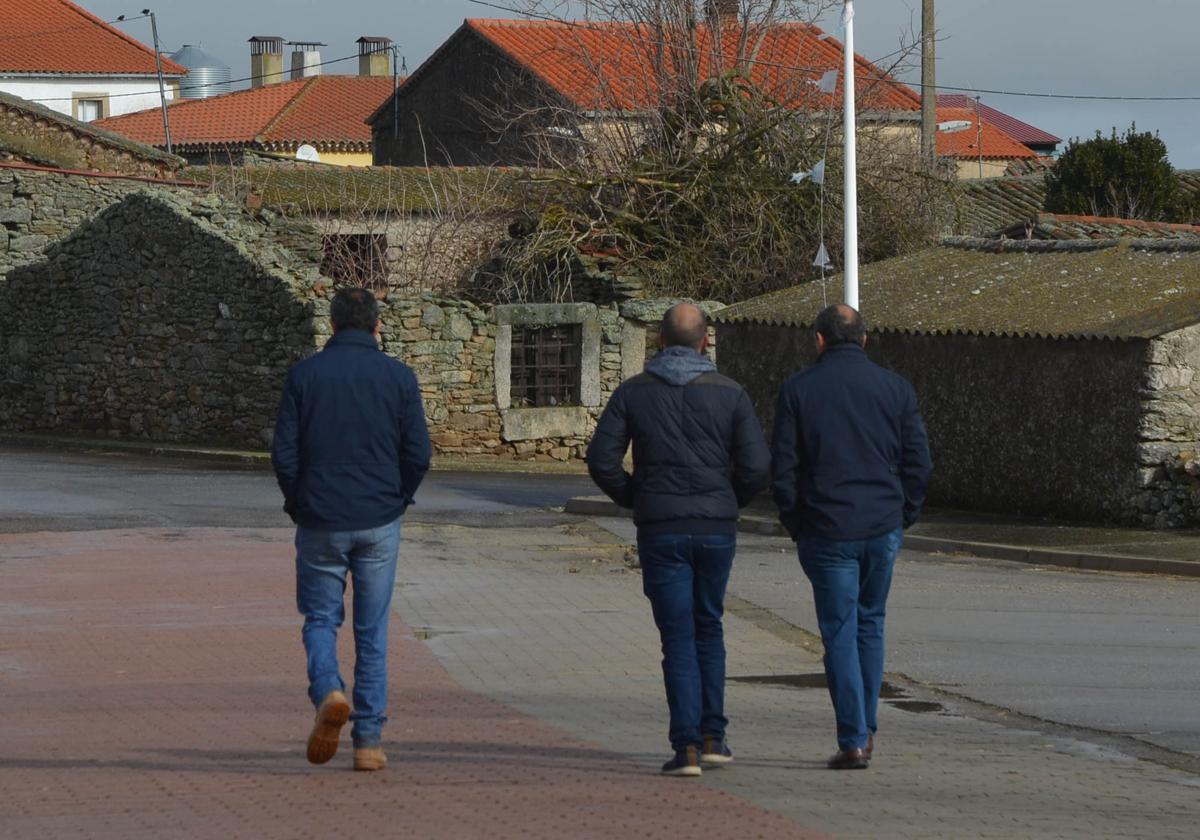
x: 328, y: 112
x: 608, y: 66
x: 1020, y: 131
x: 57, y: 36
x: 961, y: 144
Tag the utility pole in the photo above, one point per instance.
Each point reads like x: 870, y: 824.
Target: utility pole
x: 850, y: 225
x: 928, y: 86
x: 162, y: 91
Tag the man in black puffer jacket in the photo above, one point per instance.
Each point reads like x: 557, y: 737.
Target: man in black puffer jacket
x: 699, y: 455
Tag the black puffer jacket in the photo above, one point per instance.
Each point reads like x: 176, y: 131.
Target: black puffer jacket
x: 698, y: 450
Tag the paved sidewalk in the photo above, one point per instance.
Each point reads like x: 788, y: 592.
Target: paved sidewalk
x: 1092, y: 547
x: 152, y: 687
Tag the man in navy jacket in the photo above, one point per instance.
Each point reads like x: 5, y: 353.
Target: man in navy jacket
x: 699, y: 455
x: 350, y: 450
x: 850, y: 468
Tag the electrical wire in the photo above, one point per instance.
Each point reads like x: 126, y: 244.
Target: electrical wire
x: 86, y: 25
x: 600, y: 25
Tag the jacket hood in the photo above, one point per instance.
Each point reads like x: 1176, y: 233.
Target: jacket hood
x: 679, y: 365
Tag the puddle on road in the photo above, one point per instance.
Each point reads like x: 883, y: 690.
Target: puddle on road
x: 890, y: 693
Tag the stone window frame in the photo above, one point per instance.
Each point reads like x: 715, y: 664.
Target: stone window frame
x: 78, y: 98
x: 548, y: 315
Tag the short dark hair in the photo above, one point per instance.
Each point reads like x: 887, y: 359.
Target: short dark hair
x: 354, y: 309
x: 684, y: 325
x: 841, y: 324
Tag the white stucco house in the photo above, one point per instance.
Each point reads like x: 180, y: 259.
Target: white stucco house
x: 63, y: 57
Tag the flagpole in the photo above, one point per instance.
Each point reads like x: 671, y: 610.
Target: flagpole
x: 850, y: 273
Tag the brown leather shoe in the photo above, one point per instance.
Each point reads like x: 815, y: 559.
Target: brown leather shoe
x: 369, y: 758
x: 870, y: 750
x: 855, y: 759
x: 332, y: 715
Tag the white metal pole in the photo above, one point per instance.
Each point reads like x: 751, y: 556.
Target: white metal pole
x: 850, y: 273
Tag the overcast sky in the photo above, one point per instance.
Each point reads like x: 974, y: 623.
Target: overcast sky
x: 1097, y: 47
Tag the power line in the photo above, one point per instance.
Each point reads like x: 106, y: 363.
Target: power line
x: 201, y: 87
x: 87, y: 25
x: 600, y: 26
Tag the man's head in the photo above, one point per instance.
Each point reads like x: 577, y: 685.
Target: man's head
x: 839, y: 324
x: 684, y: 325
x: 354, y: 309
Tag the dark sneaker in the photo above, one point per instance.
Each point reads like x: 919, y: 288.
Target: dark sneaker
x: 848, y: 760
x: 716, y: 750
x: 685, y: 763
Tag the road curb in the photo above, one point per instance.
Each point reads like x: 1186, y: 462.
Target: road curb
x: 599, y: 506
x: 261, y: 459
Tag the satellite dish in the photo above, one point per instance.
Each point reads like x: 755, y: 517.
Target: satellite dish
x: 308, y: 153
x: 955, y: 125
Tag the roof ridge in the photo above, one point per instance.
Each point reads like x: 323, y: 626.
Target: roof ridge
x: 103, y: 24
x: 291, y: 105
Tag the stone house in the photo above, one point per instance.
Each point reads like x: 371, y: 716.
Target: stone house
x: 1057, y: 378
x: 177, y: 314
x: 507, y: 92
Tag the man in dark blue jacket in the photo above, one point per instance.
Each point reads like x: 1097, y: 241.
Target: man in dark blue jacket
x: 699, y: 455
x: 850, y: 467
x: 350, y: 450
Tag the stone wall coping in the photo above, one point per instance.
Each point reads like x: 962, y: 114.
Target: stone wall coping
x: 544, y: 314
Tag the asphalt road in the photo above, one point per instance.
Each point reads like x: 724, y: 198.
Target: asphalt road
x: 1113, y: 653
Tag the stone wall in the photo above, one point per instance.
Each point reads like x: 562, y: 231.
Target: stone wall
x: 163, y: 318
x: 39, y: 208
x: 1017, y: 425
x: 33, y: 134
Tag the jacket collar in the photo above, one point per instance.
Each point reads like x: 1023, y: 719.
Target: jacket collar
x: 844, y: 353
x: 352, y: 338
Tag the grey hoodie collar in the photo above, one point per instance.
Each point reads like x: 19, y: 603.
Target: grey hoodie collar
x: 679, y: 365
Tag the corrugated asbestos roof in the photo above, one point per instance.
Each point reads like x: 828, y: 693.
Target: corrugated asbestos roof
x: 1113, y: 289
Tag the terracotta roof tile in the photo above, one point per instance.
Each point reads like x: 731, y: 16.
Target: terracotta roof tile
x: 57, y: 36
x: 961, y: 144
x: 1020, y: 131
x: 607, y: 66
x: 327, y: 111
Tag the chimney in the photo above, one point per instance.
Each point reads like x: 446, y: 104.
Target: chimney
x: 266, y: 60
x: 722, y: 14
x: 306, y: 59
x: 373, y: 55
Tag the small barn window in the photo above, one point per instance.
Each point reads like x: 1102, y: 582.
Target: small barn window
x: 546, y: 365
x: 356, y: 259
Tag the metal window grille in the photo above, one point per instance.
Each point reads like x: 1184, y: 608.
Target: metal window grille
x: 546, y: 365
x: 356, y: 259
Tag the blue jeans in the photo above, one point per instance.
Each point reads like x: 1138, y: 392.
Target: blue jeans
x: 684, y: 576
x: 850, y: 581
x: 323, y: 559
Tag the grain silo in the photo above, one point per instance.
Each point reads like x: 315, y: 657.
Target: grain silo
x: 206, y: 77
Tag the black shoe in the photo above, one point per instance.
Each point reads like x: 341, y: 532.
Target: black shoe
x: 855, y: 759
x: 716, y: 750
x: 685, y: 763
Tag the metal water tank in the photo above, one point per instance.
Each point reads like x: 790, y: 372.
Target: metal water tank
x: 206, y: 77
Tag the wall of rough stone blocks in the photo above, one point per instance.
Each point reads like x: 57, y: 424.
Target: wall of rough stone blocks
x: 1037, y: 426
x: 40, y: 140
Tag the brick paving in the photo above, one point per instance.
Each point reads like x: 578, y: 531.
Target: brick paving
x: 152, y: 687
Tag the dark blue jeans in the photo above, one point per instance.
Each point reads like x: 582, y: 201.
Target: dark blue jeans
x: 850, y: 581
x: 684, y: 576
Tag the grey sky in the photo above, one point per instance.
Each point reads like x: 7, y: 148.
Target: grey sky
x: 1108, y: 47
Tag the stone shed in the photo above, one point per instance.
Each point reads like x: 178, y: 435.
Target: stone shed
x: 175, y: 315
x: 1057, y: 378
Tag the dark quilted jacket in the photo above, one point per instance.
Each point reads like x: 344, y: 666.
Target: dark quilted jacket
x: 698, y: 451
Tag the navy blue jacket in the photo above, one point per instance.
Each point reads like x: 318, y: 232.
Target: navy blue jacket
x: 351, y: 446
x: 850, y: 455
x: 698, y: 449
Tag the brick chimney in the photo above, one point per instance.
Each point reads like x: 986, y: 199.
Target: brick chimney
x: 306, y: 59
x: 373, y: 54
x: 266, y: 60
